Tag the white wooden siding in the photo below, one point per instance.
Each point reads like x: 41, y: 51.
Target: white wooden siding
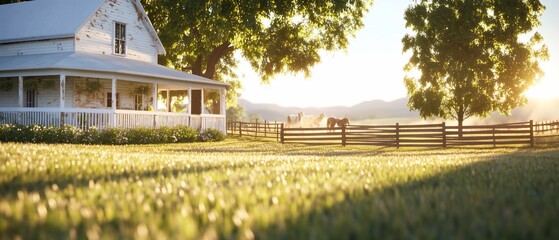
x: 97, y: 34
x: 37, y: 47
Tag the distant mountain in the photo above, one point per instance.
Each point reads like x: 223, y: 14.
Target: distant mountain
x: 365, y: 110
x: 537, y: 110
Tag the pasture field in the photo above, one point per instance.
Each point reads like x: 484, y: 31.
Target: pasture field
x: 238, y: 189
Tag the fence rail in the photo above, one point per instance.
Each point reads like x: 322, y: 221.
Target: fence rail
x: 264, y: 129
x: 397, y: 135
x: 547, y: 132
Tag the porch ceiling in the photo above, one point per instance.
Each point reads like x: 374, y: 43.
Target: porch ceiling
x: 99, y: 63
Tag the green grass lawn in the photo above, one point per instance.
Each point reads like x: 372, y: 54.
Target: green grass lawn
x: 241, y: 189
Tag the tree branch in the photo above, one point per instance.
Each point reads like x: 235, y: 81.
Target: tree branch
x: 214, y: 57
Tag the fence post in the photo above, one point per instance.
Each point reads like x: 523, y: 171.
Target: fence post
x: 397, y: 135
x: 343, y: 135
x: 240, y: 129
x: 494, y: 139
x: 444, y: 134
x: 277, y: 131
x: 531, y: 133
x: 282, y: 133
x: 265, y: 128
x: 256, y: 128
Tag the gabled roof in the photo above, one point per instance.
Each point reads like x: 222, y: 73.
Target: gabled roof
x: 42, y: 19
x: 51, y: 19
x: 98, y: 63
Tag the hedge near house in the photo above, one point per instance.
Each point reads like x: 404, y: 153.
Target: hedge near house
x: 109, y: 136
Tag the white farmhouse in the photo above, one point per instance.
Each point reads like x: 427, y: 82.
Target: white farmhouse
x: 94, y: 63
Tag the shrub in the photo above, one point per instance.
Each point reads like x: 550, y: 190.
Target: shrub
x: 112, y: 136
x: 210, y: 135
x: 109, y: 136
x: 67, y: 134
x: 141, y: 135
x: 184, y: 134
x: 91, y: 136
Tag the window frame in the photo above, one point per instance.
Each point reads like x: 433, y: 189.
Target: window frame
x: 109, y: 100
x: 119, y: 39
x: 138, y: 102
x: 31, y: 99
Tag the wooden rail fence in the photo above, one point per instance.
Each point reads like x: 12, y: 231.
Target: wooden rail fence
x: 547, y: 132
x: 397, y: 135
x: 255, y: 129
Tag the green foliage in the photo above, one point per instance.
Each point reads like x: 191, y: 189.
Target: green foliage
x: 6, y: 85
x: 92, y: 86
x: 47, y: 84
x: 10, y: 1
x: 264, y: 190
x: 236, y: 113
x: 184, y: 134
x: 141, y: 90
x: 109, y: 136
x: 209, y: 37
x: 31, y: 85
x: 470, y: 58
x: 210, y: 135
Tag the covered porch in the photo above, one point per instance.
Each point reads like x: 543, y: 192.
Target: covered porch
x: 129, y: 96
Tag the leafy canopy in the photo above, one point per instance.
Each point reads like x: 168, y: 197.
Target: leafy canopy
x: 209, y: 37
x: 471, y: 57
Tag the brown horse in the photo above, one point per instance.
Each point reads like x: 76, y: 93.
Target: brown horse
x: 343, y: 122
x: 331, y: 122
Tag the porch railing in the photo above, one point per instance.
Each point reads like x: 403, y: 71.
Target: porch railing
x: 104, y: 118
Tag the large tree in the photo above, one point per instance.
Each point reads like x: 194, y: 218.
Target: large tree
x: 471, y: 57
x: 209, y: 37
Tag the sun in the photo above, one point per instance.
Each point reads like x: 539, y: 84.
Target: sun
x: 547, y: 88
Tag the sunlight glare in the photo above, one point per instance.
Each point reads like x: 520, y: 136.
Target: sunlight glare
x: 543, y: 90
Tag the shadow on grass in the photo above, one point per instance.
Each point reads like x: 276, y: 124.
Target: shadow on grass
x: 9, y: 189
x: 511, y: 196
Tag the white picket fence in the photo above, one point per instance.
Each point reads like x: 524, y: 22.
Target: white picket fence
x: 105, y: 118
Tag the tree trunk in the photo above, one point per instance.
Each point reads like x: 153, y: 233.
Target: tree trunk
x: 197, y: 67
x: 460, y: 119
x: 217, y: 53
x: 212, y: 61
x: 460, y: 126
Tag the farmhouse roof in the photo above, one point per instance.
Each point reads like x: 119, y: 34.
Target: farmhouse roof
x: 98, y: 63
x: 52, y: 19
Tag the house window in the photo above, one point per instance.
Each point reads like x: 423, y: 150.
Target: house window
x: 31, y: 98
x: 120, y: 38
x: 110, y: 100
x: 138, y: 101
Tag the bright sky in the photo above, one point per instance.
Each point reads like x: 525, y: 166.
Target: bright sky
x: 371, y: 68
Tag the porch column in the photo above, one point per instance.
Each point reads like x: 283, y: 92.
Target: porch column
x: 169, y: 101
x: 155, y: 90
x: 222, y: 101
x: 113, y: 101
x: 189, y: 99
x: 20, y: 91
x: 202, y: 101
x: 62, y: 90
